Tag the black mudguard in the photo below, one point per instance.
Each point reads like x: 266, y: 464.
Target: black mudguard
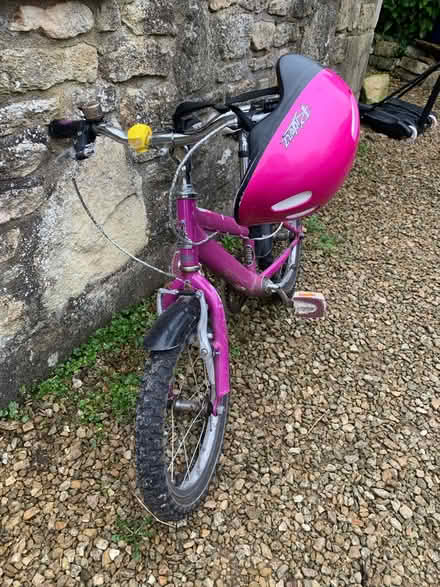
x: 174, y: 325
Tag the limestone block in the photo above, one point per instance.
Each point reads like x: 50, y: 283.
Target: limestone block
x: 8, y: 244
x: 355, y: 63
x: 302, y: 8
x: 383, y: 63
x: 413, y: 65
x: 215, y: 5
x: 150, y: 17
x: 279, y: 7
x: 107, y: 95
x: 19, y: 198
x: 375, y: 87
x: 22, y: 154
x: 404, y: 74
x: 338, y: 47
x: 232, y: 73
x: 367, y: 17
x: 72, y: 254
x: 321, y: 26
x: 137, y: 57
x: 30, y: 112
x: 11, y: 317
x: 194, y: 63
x: 266, y: 62
x: 28, y: 69
x: 108, y: 17
x: 416, y: 53
x: 154, y: 106
x: 408, y: 76
x: 430, y: 81
x: 348, y: 15
x: 61, y: 21
x: 262, y: 34
x: 255, y: 6
x: 285, y: 33
x: 386, y: 48
x: 232, y: 35
x: 12, y: 273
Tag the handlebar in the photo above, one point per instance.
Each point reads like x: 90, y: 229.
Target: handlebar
x: 140, y: 137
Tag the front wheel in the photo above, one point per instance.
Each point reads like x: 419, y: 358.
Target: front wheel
x: 178, y: 438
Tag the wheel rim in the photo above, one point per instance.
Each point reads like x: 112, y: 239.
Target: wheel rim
x: 190, y: 428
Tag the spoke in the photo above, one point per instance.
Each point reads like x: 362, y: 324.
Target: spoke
x: 194, y: 374
x: 189, y: 430
x: 172, y: 444
x: 195, y: 450
x: 187, y: 440
x: 185, y: 453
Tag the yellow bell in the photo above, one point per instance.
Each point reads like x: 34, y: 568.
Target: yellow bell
x: 139, y: 136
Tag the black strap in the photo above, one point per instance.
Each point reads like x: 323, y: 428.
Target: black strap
x: 186, y: 108
x: 428, y: 108
x: 410, y: 85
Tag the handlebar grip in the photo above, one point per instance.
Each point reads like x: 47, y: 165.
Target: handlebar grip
x: 64, y: 128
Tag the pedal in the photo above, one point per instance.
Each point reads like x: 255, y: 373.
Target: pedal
x: 309, y: 304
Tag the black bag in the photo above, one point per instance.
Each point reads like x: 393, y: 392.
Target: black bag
x: 399, y: 119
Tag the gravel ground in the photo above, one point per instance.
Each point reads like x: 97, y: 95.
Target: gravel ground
x: 332, y: 461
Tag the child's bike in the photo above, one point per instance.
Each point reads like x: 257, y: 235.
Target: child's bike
x: 296, y: 144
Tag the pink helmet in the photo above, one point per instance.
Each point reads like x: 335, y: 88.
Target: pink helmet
x: 301, y: 153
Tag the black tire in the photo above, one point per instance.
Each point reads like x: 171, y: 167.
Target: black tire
x: 173, y: 495
x: 297, y: 271
x: 277, y: 250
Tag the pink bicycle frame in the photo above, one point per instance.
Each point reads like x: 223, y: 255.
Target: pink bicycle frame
x: 197, y: 224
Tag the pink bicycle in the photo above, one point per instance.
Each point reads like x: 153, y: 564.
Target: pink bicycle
x: 296, y: 144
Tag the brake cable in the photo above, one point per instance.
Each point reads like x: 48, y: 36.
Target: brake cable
x: 103, y: 232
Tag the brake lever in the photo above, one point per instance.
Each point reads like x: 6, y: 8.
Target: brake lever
x: 84, y: 143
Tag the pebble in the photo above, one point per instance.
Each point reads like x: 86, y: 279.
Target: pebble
x: 101, y: 543
x: 396, y: 524
x: 38, y: 579
x: 239, y: 484
x: 30, y: 513
x: 406, y: 512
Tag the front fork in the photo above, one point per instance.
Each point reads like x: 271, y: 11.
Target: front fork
x: 213, y: 344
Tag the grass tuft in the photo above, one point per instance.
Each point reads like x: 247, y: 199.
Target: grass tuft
x: 100, y: 377
x: 133, y: 532
x: 321, y: 239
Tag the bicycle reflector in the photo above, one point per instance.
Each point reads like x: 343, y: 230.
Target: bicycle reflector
x: 139, y: 136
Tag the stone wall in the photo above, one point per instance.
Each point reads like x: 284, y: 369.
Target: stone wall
x: 416, y: 59
x: 59, y: 278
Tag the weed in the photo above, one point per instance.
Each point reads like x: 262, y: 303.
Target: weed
x: 235, y: 351
x: 327, y: 242
x: 14, y: 411
x: 231, y: 243
x: 363, y: 148
x: 11, y: 412
x: 322, y: 239
x: 115, y: 392
x: 123, y: 390
x: 133, y: 532
x: 117, y: 395
x: 314, y: 225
